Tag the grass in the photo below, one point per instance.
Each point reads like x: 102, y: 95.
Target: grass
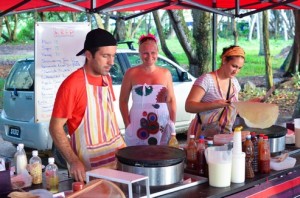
x: 254, y: 64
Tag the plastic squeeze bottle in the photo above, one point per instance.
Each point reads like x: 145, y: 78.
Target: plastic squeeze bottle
x: 265, y: 156
x: 173, y: 141
x: 51, y: 173
x: 36, y: 168
x: 202, y: 164
x: 191, y: 152
x: 255, y: 147
x: 249, y: 150
x: 20, y: 159
x: 238, y: 157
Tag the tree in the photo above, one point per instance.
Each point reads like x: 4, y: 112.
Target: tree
x: 268, y: 66
x: 196, y: 46
x: 11, y: 23
x: 161, y: 36
x: 292, y: 61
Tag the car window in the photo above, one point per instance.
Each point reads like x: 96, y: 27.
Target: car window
x: 161, y: 62
x: 21, y: 76
x: 116, y: 73
x: 134, y: 60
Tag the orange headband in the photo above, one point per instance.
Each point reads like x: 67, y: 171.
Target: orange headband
x: 235, y: 51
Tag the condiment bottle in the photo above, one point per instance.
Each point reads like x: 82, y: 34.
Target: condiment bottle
x: 36, y: 168
x: 202, y: 164
x: 265, y: 156
x: 249, y: 151
x: 238, y: 158
x: 210, y: 143
x: 259, y: 144
x: 191, y: 152
x: 173, y: 141
x: 51, y: 173
x: 20, y: 159
x: 255, y: 156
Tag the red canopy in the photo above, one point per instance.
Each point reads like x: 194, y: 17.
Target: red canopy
x: 92, y: 6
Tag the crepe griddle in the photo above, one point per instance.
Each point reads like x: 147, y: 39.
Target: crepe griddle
x: 274, y: 131
x: 150, y: 155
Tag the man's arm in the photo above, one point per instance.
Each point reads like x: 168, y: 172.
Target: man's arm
x: 61, y: 142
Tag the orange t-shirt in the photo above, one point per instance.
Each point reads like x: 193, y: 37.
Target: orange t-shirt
x: 71, y: 98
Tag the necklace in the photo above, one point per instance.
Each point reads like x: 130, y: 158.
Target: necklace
x: 223, y: 94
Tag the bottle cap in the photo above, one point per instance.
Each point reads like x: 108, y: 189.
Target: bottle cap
x: 35, y: 153
x: 266, y: 137
x: 201, y: 137
x: 252, y: 133
x: 248, y: 137
x: 21, y: 146
x: 173, y: 133
x: 210, y: 142
x: 261, y: 135
x: 192, y: 136
x: 51, y: 160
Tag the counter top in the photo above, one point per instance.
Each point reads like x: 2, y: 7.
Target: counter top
x: 204, y: 190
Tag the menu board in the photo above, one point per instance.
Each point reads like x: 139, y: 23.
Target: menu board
x: 56, y: 46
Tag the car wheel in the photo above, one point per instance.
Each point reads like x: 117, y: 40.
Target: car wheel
x: 59, y: 159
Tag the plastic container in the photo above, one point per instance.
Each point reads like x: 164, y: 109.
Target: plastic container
x: 219, y: 160
x: 51, y: 173
x: 191, y: 151
x: 221, y: 139
x: 173, y: 141
x: 36, y: 168
x: 20, y: 159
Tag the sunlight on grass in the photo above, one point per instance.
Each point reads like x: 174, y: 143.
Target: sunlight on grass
x: 254, y: 64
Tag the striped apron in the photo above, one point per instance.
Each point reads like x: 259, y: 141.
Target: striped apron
x: 98, y: 137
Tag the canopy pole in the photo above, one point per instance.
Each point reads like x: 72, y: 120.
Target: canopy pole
x: 214, y: 41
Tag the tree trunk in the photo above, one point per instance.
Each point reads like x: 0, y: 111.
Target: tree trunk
x: 234, y: 31
x: 202, y: 37
x: 136, y: 27
x: 98, y: 20
x: 293, y: 65
x: 252, y: 26
x: 182, y: 32
x: 162, y: 38
x: 260, y: 35
x: 268, y: 66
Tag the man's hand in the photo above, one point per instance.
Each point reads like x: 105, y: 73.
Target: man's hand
x: 77, y: 170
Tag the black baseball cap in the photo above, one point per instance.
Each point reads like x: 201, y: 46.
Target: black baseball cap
x: 97, y: 38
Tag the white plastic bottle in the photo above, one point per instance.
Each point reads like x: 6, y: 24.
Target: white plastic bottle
x: 51, y: 173
x: 238, y: 158
x: 36, y: 168
x: 20, y: 159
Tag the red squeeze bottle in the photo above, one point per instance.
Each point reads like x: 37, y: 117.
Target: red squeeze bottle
x: 202, y: 164
x: 265, y: 156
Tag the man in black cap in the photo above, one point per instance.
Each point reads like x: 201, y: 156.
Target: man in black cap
x: 84, y: 102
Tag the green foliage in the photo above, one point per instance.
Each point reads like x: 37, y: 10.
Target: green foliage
x: 296, y: 79
x: 27, y: 32
x: 254, y: 64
